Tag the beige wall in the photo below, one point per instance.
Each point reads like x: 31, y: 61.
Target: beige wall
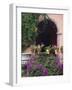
x: 58, y: 19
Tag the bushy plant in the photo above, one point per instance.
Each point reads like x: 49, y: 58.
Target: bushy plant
x: 43, y: 65
x: 33, y: 68
x: 28, y: 29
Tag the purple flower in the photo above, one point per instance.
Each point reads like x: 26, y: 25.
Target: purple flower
x: 61, y: 66
x: 39, y: 66
x: 45, y: 72
x: 58, y: 63
x: 32, y: 57
x: 28, y: 65
x: 42, y: 69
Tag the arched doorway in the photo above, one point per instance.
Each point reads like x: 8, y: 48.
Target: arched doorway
x: 47, y: 33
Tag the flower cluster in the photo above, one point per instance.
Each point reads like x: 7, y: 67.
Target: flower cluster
x: 59, y: 64
x: 35, y: 69
x: 43, y: 65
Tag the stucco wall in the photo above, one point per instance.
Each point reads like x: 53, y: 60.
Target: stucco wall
x: 58, y: 19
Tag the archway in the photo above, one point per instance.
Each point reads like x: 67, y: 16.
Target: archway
x: 47, y: 33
